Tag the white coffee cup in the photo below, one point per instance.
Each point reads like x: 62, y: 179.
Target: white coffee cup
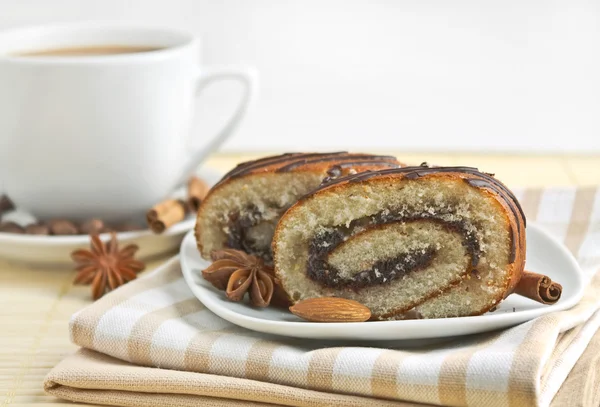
x: 102, y: 136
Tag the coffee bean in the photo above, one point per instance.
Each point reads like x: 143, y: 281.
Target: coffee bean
x: 91, y: 226
x: 37, y: 229
x: 11, y: 227
x: 62, y: 227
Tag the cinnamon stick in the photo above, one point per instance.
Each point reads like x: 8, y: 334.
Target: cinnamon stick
x: 538, y: 287
x: 166, y: 214
x: 197, y: 190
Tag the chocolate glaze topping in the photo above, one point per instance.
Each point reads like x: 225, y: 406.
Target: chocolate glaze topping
x: 246, y: 167
x: 350, y: 161
x: 385, y: 270
x: 292, y: 161
x: 370, y: 162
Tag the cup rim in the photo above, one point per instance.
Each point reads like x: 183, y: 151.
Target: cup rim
x: 184, y: 41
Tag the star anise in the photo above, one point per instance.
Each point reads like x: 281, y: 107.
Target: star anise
x: 238, y: 273
x: 105, y: 267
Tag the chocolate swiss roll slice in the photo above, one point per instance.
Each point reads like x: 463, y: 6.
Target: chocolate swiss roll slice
x: 427, y: 242
x: 241, y: 211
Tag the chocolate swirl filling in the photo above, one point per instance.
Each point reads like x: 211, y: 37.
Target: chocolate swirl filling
x: 237, y: 233
x: 386, y: 270
x: 474, y: 178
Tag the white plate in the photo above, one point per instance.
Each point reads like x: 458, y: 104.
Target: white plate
x: 544, y: 255
x: 56, y: 250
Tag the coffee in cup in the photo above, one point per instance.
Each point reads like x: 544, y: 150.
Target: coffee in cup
x: 94, y: 50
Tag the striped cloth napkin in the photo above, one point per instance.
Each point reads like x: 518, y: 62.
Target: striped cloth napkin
x: 152, y: 343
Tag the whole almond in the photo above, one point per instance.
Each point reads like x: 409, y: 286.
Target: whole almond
x: 331, y: 309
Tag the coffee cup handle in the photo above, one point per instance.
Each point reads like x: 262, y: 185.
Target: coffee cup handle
x: 247, y: 77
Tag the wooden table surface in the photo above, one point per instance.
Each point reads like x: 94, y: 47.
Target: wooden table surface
x: 36, y: 303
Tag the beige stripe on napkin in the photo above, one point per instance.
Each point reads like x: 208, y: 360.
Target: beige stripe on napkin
x: 197, y: 354
x: 320, y: 369
x: 259, y: 359
x: 138, y: 346
x: 383, y: 377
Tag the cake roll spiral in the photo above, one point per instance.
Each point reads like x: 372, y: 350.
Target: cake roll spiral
x: 427, y: 241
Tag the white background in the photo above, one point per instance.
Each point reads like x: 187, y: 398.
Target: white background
x: 502, y: 75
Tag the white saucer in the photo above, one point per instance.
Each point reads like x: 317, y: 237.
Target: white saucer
x: 544, y: 255
x: 56, y: 250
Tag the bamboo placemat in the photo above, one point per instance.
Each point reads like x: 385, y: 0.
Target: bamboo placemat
x: 36, y: 303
